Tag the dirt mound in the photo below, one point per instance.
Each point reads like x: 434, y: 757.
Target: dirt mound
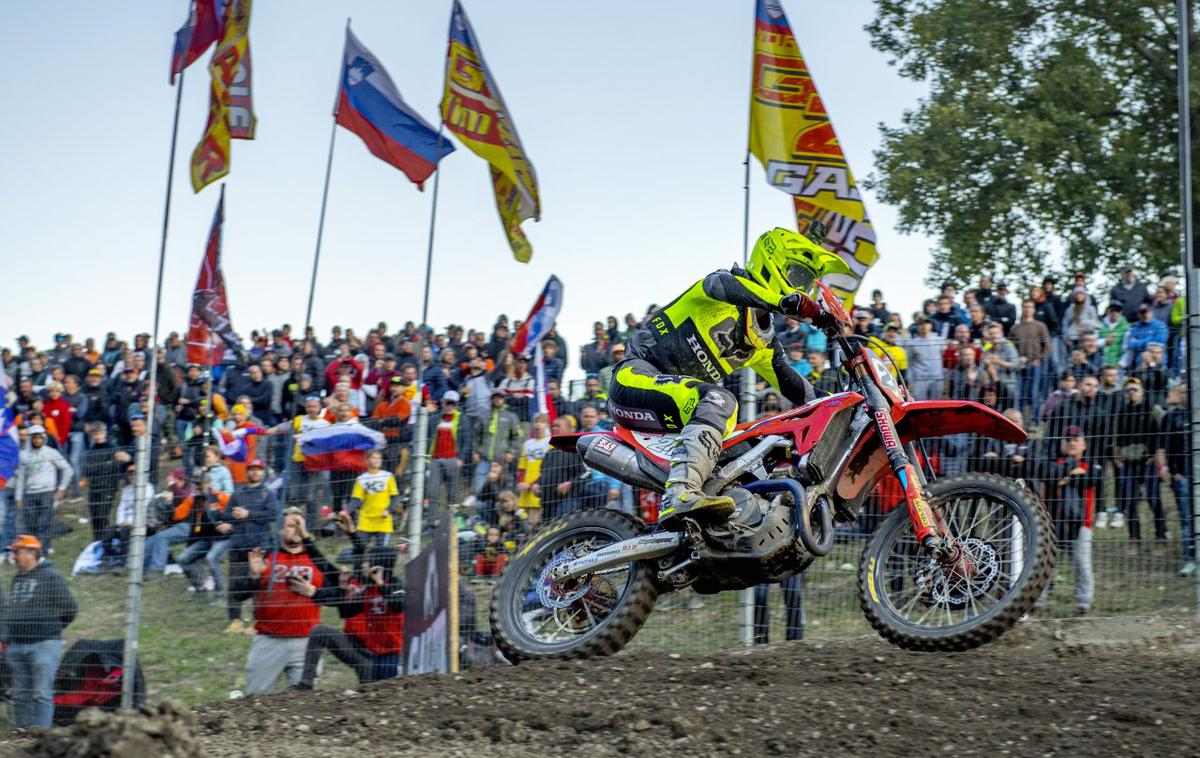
x: 1074, y: 688
x: 163, y: 730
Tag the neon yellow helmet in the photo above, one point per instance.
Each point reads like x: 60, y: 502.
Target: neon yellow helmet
x: 784, y: 262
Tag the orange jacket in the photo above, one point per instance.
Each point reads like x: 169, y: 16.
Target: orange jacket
x: 398, y: 408
x: 183, y: 511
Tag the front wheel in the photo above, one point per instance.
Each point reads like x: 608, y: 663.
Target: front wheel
x: 533, y: 616
x: 1007, y: 554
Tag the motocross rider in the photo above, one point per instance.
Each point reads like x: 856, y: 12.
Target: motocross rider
x: 670, y: 380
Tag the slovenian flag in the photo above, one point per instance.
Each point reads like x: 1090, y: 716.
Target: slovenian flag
x: 529, y: 339
x: 10, y: 445
x: 370, y: 106
x: 541, y: 318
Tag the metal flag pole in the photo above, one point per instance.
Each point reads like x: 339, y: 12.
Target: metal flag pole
x: 748, y: 399
x: 137, y: 542
x: 1191, y: 276
x: 420, y: 434
x: 289, y: 464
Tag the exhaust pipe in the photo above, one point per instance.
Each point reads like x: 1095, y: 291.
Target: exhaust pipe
x: 612, y: 456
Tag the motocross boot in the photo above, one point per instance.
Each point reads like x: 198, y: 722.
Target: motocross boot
x: 692, y: 461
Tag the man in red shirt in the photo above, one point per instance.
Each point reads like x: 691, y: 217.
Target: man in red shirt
x: 288, y: 584
x: 58, y: 413
x: 372, y: 604
x: 445, y: 452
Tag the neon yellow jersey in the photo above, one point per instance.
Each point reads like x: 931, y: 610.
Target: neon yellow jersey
x: 376, y: 492
x: 530, y: 466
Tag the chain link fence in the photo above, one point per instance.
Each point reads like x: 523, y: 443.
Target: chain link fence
x: 1108, y: 451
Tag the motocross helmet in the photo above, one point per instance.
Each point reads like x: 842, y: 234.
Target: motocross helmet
x: 784, y: 262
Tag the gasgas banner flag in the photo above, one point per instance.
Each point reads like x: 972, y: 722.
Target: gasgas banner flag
x: 791, y: 134
x: 230, y: 107
x: 473, y: 109
x: 210, y: 330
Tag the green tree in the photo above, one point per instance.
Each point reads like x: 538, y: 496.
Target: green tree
x: 1050, y: 133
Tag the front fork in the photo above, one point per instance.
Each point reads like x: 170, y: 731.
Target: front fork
x: 930, y: 531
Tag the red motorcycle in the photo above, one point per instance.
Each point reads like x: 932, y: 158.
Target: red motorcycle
x: 953, y: 570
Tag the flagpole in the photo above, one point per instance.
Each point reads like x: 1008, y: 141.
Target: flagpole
x: 749, y: 401
x: 420, y: 434
x: 144, y: 446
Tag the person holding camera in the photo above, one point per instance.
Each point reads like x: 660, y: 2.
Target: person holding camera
x: 287, y: 584
x: 371, y: 602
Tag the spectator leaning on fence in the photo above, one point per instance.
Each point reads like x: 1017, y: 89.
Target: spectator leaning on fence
x: 43, y: 476
x: 39, y: 606
x: 285, y: 585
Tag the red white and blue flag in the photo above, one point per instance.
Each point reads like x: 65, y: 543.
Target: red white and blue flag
x: 10, y: 444
x: 339, y: 447
x: 202, y: 28
x: 529, y: 340
x: 541, y: 318
x: 370, y: 106
x: 233, y: 442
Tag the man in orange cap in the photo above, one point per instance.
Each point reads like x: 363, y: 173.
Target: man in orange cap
x: 39, y: 607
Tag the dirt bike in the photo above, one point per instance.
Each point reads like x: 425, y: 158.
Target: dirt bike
x: 953, y: 570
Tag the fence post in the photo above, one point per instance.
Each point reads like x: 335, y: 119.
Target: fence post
x: 748, y: 404
x: 1191, y: 285
x: 418, y: 486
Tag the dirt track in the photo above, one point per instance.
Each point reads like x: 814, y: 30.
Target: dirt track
x: 1118, y: 687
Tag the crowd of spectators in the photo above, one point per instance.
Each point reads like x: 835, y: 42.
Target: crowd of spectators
x: 239, y: 509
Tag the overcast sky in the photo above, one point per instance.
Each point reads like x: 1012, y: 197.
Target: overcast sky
x: 633, y: 113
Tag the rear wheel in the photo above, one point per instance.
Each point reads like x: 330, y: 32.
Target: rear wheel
x: 533, y: 616
x: 1007, y: 543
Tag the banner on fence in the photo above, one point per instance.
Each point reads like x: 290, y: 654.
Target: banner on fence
x: 427, y: 607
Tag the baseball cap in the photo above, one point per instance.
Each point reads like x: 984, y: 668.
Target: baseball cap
x: 397, y: 380
x: 1143, y: 308
x: 891, y: 328
x: 37, y: 429
x: 451, y: 397
x: 860, y: 313
x: 25, y: 541
x: 95, y: 372
x: 1073, y: 431
x: 136, y: 415
x: 239, y: 408
x: 256, y: 463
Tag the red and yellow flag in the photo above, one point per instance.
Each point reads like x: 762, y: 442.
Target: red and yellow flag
x: 791, y: 134
x: 473, y: 109
x: 230, y: 108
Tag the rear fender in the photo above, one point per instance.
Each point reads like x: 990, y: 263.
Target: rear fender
x: 916, y: 420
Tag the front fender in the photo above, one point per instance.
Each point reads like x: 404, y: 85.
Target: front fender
x: 916, y: 420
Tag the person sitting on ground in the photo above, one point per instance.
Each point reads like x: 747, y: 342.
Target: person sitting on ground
x: 202, y: 513
x: 372, y: 604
